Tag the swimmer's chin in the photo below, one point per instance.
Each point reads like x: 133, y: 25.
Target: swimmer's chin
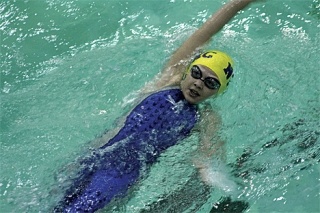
x: 191, y: 97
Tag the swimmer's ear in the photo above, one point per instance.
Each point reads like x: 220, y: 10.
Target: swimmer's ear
x: 187, y: 70
x: 198, y: 55
x: 184, y: 76
x: 195, y: 58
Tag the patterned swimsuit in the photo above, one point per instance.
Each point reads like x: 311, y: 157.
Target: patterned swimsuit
x: 158, y: 122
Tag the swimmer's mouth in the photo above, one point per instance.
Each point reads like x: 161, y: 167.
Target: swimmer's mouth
x: 194, y: 93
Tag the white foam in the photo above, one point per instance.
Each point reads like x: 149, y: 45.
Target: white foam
x: 217, y: 177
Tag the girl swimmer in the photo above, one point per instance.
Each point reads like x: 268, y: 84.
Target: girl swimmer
x: 159, y: 121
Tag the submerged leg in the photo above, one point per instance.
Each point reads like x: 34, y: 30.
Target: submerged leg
x: 102, y: 180
x: 104, y: 185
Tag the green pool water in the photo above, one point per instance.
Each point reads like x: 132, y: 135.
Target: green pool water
x: 71, y: 69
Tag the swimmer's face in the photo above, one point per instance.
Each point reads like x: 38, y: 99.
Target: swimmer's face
x: 195, y: 90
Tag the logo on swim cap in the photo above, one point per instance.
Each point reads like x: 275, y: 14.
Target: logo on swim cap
x: 228, y: 71
x: 219, y: 62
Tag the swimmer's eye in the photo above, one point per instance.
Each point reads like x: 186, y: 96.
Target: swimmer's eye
x: 196, y: 72
x: 210, y: 82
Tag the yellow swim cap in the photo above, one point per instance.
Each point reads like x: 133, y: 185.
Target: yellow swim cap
x: 219, y: 62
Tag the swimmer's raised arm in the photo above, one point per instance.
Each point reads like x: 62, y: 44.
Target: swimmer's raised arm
x: 173, y: 71
x: 213, y: 25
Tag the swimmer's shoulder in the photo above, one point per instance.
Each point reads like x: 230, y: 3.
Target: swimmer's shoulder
x: 169, y: 77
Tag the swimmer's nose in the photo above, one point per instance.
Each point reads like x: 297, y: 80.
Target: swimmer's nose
x: 199, y: 83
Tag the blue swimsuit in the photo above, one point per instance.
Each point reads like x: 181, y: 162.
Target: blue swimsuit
x: 158, y: 122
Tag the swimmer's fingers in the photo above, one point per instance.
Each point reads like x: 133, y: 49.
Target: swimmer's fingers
x: 199, y: 164
x: 203, y: 168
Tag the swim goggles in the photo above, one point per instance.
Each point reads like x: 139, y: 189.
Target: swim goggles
x: 210, y: 82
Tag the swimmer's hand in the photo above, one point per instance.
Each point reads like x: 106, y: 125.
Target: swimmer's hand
x: 215, y: 176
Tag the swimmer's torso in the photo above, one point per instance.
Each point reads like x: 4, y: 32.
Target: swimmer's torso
x: 158, y: 122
